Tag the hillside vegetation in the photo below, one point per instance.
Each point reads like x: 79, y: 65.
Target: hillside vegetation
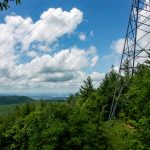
x: 14, y: 99
x: 82, y: 122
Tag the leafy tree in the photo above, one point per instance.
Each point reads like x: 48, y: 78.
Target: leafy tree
x: 72, y: 99
x: 26, y: 109
x: 5, y: 4
x: 81, y: 122
x: 17, y: 110
x: 136, y: 105
x: 42, y: 104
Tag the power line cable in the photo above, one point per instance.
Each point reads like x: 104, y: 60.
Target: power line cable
x: 31, y: 13
x: 27, y: 33
x: 7, y: 52
x: 50, y: 36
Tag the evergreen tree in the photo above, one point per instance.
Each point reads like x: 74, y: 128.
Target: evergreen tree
x: 42, y: 103
x: 72, y: 99
x: 87, y: 89
x: 107, y: 88
x: 17, y: 110
x: 26, y: 109
x: 67, y: 125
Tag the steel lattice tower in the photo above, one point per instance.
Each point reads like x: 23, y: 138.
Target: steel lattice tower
x: 136, y: 47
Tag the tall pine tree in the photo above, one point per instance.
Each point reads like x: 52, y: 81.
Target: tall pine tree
x: 86, y: 89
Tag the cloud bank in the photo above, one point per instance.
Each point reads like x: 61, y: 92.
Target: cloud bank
x: 26, y: 46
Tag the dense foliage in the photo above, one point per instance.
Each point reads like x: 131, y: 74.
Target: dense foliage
x: 14, y: 99
x: 5, y: 4
x: 81, y: 123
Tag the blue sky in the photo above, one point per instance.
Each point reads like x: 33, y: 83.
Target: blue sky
x: 93, y: 35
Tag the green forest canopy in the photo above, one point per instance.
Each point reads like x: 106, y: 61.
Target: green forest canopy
x: 81, y: 123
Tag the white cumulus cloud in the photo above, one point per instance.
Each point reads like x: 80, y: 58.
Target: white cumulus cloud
x: 117, y: 46
x: 53, y: 24
x: 94, y: 60
x: 82, y: 36
x: 33, y: 65
x: 62, y: 68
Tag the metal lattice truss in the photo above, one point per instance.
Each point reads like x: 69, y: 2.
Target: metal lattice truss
x: 137, y: 44
x: 136, y: 48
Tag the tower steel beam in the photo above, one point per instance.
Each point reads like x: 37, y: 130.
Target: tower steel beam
x: 136, y: 49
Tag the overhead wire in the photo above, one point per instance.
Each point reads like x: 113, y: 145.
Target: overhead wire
x: 48, y: 37
x: 31, y: 13
x: 27, y: 33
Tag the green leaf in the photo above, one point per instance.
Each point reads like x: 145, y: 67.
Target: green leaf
x: 1, y: 7
x: 18, y: 1
x: 5, y: 5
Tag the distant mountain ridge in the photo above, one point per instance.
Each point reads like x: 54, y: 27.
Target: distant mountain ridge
x: 14, y: 99
x: 47, y: 97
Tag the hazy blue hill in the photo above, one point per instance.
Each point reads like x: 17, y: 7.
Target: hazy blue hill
x: 14, y: 99
x: 48, y: 97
